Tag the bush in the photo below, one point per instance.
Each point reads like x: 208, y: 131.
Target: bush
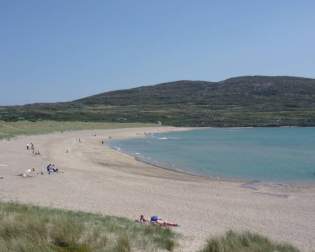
x: 245, y: 242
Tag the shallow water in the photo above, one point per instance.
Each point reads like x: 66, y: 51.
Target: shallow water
x: 264, y: 154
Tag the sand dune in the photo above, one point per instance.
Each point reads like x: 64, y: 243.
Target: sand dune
x: 98, y: 179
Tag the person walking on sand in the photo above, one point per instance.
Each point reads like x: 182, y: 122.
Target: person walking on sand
x: 32, y: 148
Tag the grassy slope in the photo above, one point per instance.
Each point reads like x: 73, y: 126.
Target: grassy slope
x: 243, y: 101
x: 25, y: 228
x: 38, y: 229
x: 11, y: 129
x: 245, y: 242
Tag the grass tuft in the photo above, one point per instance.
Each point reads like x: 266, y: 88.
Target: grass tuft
x: 122, y: 244
x: 245, y: 242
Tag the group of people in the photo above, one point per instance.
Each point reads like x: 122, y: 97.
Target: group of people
x: 156, y: 220
x: 51, y: 168
x: 30, y: 146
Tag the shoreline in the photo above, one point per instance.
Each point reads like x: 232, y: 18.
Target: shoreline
x: 243, y: 181
x: 99, y: 179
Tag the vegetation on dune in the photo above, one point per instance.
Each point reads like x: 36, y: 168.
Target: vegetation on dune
x: 11, y: 129
x: 242, y: 101
x: 38, y: 229
x: 245, y: 242
x: 26, y: 228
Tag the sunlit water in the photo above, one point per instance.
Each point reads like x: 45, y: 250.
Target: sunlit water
x: 264, y: 154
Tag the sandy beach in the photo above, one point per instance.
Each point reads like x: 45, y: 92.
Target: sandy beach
x: 97, y: 179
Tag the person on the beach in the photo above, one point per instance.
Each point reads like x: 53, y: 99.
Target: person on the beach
x: 27, y: 146
x: 54, y: 168
x: 28, y: 173
x: 48, y: 169
x: 157, y: 220
x: 32, y: 148
x: 142, y: 219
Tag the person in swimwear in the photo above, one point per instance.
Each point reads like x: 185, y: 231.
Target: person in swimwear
x: 157, y: 220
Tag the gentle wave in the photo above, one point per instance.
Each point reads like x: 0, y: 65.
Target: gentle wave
x: 264, y: 154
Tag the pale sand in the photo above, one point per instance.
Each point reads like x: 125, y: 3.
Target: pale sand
x: 99, y: 179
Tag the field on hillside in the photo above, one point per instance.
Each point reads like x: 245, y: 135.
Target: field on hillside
x: 237, y: 102
x: 169, y: 114
x: 11, y: 129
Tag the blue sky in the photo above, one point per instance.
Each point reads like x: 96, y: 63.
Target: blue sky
x: 56, y: 50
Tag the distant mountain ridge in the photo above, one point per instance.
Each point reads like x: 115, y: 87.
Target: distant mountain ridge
x: 238, y: 101
x: 204, y: 92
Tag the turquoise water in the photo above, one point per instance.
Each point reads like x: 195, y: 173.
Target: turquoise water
x: 264, y: 154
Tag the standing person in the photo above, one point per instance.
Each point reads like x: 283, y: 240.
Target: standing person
x: 27, y: 146
x: 32, y: 147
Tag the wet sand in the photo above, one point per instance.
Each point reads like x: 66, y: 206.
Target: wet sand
x: 97, y: 179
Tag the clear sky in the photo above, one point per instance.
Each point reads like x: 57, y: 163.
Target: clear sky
x: 59, y: 50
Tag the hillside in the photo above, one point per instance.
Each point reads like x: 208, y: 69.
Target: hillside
x: 240, y: 101
x: 235, y: 91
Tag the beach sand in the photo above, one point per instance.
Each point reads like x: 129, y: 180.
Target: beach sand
x: 97, y: 179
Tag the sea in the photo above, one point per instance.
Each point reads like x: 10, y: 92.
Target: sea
x: 285, y: 154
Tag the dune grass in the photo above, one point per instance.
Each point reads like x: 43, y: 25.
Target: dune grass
x: 39, y: 229
x: 11, y: 129
x: 245, y: 242
x: 26, y: 228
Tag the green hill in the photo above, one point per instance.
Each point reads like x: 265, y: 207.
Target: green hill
x: 241, y: 101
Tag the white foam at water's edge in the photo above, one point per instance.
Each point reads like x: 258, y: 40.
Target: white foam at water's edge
x: 214, y: 138
x: 148, y: 160
x: 246, y: 183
